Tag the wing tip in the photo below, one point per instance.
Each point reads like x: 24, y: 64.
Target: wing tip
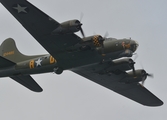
x: 155, y: 104
x: 38, y: 90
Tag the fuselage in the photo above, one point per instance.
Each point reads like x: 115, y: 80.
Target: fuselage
x: 112, y: 49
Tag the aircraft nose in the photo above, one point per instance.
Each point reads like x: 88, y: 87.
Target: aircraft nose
x: 137, y: 44
x: 134, y: 45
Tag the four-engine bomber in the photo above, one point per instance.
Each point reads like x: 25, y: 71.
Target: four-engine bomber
x: 105, y: 61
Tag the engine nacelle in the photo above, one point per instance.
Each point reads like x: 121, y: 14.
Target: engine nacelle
x: 123, y: 64
x: 93, y: 41
x: 140, y: 75
x: 68, y: 27
x: 117, y: 66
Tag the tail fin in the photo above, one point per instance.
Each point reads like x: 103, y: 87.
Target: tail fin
x: 9, y: 51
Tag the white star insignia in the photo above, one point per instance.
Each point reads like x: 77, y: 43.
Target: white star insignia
x: 38, y: 62
x: 20, y: 9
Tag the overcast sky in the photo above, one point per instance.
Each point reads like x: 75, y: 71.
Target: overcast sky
x: 71, y: 97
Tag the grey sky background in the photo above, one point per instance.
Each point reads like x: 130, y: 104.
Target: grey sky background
x: 71, y: 97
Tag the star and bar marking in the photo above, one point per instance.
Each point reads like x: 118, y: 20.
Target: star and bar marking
x: 20, y: 9
x: 38, y: 62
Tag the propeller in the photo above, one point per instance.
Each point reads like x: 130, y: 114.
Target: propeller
x: 81, y: 16
x: 78, y: 25
x: 102, y: 40
x: 136, y: 56
x: 81, y: 30
x: 145, y: 74
x: 132, y: 64
x: 106, y: 35
x: 150, y: 75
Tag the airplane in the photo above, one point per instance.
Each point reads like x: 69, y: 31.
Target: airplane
x: 105, y: 61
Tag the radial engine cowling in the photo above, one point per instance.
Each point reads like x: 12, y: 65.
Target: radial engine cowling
x: 93, y: 41
x: 68, y: 27
x: 140, y: 75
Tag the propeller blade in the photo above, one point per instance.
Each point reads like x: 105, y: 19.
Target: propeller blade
x: 106, y: 35
x: 82, y: 32
x: 81, y: 16
x: 132, y: 64
x: 150, y: 75
x: 143, y: 81
x: 136, y: 56
x: 134, y: 71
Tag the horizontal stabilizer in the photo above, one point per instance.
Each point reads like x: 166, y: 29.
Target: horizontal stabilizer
x: 5, y: 63
x: 28, y: 82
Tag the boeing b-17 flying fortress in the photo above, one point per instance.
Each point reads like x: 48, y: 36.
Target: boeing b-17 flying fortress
x: 95, y: 57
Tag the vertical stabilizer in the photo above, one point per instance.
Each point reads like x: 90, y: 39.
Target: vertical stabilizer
x: 9, y: 51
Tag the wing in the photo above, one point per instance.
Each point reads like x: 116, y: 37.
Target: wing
x: 28, y: 82
x: 133, y: 91
x: 40, y: 26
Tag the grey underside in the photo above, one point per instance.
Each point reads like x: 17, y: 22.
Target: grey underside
x: 40, y: 26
